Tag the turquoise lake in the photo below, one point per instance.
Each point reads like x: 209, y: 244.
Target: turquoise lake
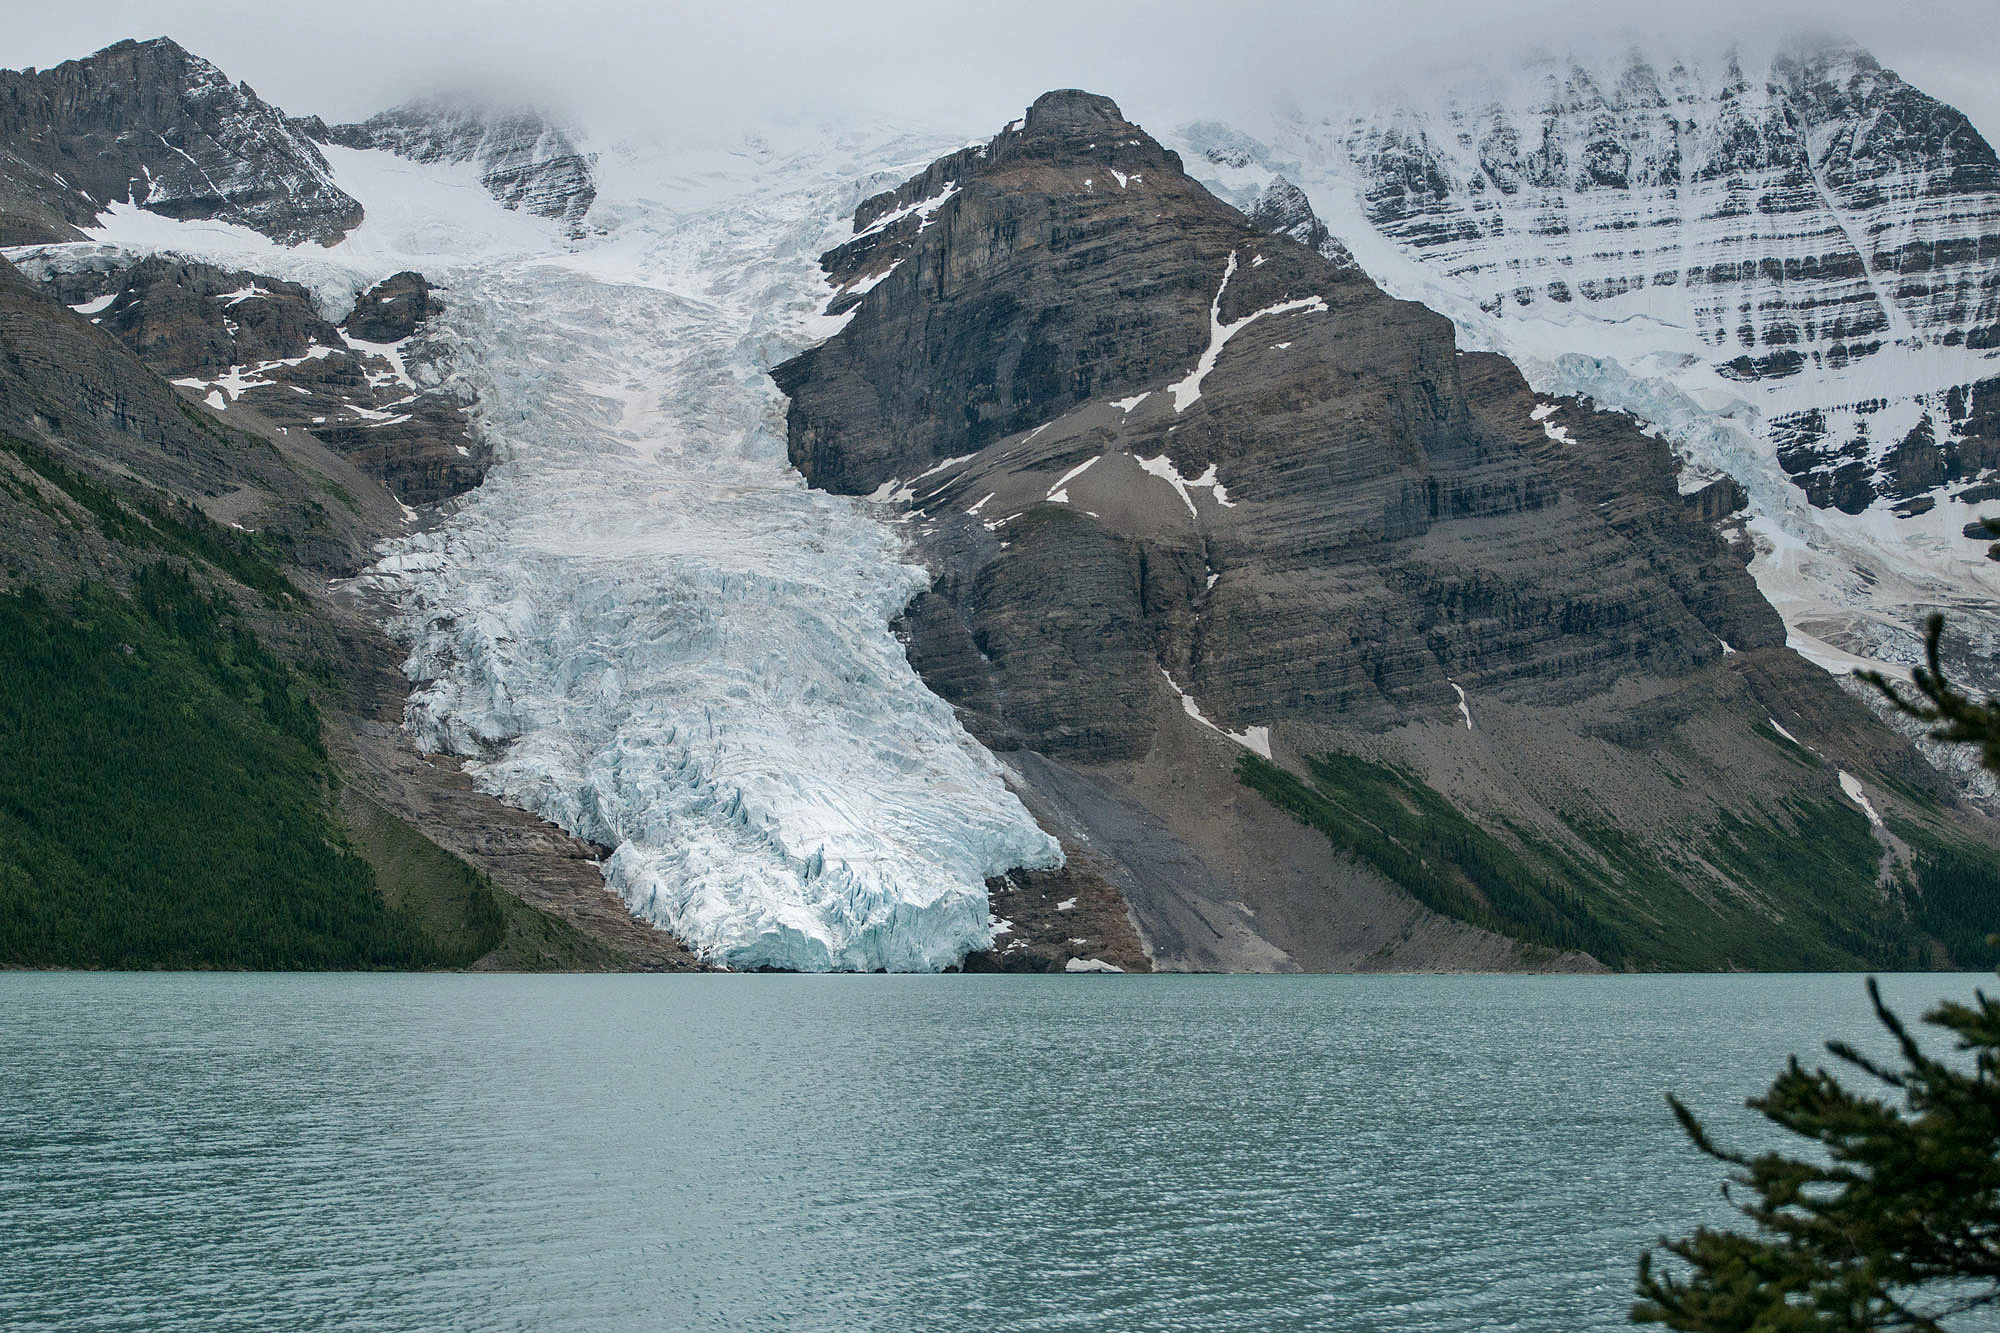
x: 561, y: 1154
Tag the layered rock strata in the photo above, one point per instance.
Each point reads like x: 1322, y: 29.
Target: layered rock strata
x: 1192, y: 491
x: 1818, y: 223
x: 1789, y: 263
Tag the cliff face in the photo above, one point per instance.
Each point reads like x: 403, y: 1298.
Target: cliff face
x: 1789, y: 264
x: 65, y: 384
x: 1818, y: 222
x: 1192, y: 490
x: 148, y: 123
x: 1248, y: 425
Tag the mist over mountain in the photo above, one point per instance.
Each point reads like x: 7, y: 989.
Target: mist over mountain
x: 607, y: 63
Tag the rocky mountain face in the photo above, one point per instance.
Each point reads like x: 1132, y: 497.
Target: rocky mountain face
x: 1235, y: 555
x: 1317, y: 638
x: 150, y: 124
x: 1824, y: 220
x: 524, y: 160
x: 1791, y: 265
x: 372, y: 388
x: 68, y: 387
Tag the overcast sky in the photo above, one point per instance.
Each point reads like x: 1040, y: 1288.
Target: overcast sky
x: 943, y: 64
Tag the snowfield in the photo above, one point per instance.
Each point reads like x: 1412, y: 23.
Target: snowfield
x: 644, y: 626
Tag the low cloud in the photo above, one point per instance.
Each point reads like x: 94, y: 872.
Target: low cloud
x: 707, y: 66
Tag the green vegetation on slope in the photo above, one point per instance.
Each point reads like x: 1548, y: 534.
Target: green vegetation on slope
x: 1889, y: 1217
x: 454, y: 902
x: 165, y: 800
x: 1802, y: 890
x: 1958, y: 903
x: 161, y: 525
x: 1409, y: 833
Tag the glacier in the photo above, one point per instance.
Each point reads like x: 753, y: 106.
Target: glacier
x: 644, y: 626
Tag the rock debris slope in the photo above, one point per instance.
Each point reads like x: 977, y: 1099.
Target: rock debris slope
x: 1198, y: 497
x: 1789, y: 264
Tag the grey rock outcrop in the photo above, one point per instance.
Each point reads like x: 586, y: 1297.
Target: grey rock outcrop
x: 1284, y: 210
x: 393, y: 309
x: 525, y: 160
x: 149, y: 123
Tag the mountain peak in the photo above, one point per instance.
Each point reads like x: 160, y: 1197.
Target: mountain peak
x: 161, y: 45
x: 1072, y: 109
x: 1160, y: 464
x: 152, y: 123
x: 525, y: 159
x: 1284, y: 210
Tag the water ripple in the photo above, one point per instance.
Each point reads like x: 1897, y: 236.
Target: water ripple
x: 844, y: 1153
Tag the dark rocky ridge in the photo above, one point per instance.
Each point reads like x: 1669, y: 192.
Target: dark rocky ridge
x: 150, y: 123
x: 1329, y: 534
x: 371, y: 389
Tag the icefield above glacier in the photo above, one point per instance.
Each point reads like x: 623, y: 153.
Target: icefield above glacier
x: 644, y: 626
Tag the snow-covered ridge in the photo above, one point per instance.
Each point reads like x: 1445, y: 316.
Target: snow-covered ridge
x: 524, y: 159
x: 1788, y: 265
x: 644, y: 626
